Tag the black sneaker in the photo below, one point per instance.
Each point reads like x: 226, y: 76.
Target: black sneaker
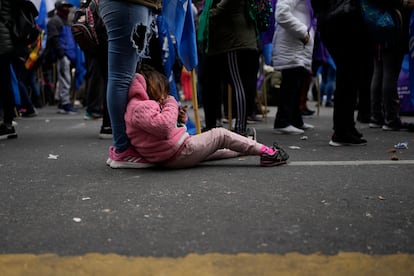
x: 348, y: 139
x: 356, y: 133
x: 374, y: 123
x: 307, y: 112
x: 252, y: 119
x: 398, y: 125
x: 105, y: 133
x: 7, y: 132
x: 279, y: 157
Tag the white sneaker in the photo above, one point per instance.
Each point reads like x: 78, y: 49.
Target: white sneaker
x: 306, y: 126
x: 288, y: 130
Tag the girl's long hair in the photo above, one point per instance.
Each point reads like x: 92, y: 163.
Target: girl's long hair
x: 157, y: 83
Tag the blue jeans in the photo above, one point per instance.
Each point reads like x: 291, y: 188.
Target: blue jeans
x: 328, y: 82
x: 129, y: 27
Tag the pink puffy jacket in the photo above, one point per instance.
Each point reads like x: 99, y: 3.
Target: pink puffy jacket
x: 152, y: 128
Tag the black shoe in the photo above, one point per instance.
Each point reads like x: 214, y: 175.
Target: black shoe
x: 398, y: 125
x: 252, y: 119
x: 307, y: 112
x: 374, y: 123
x: 364, y: 118
x: 279, y: 157
x: 346, y: 139
x: 105, y: 133
x: 7, y: 132
x: 355, y: 132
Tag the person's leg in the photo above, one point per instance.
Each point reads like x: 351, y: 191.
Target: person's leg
x: 365, y: 72
x: 242, y: 74
x: 346, y: 53
x: 345, y: 94
x: 392, y: 60
x: 64, y: 80
x: 288, y: 112
x: 202, y: 146
x: 330, y: 85
x: 129, y: 29
x: 95, y: 88
x: 377, y: 111
x: 6, y: 91
x: 211, y: 78
x: 7, y: 130
x: 26, y: 106
x: 305, y: 111
x: 33, y: 83
x: 250, y: 62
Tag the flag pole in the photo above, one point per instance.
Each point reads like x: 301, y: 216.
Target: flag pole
x: 195, y: 101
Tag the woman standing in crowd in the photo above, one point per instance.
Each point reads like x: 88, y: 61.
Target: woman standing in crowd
x: 129, y: 24
x: 292, y: 55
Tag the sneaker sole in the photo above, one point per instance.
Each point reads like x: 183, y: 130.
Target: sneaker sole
x: 272, y: 164
x: 287, y: 132
x: 128, y: 165
x: 8, y: 136
x: 108, y: 161
x: 337, y: 144
x: 67, y: 112
x: 387, y: 128
x: 105, y: 136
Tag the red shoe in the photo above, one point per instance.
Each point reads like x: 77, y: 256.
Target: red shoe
x: 128, y: 159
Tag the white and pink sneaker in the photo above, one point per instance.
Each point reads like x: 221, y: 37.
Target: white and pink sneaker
x: 128, y: 159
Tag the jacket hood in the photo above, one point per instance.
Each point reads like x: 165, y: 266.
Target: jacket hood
x: 138, y: 88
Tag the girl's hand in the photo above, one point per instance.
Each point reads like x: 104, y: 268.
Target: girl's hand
x: 182, y: 114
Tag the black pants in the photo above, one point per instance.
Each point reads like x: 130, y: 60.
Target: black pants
x: 6, y: 90
x: 348, y: 45
x: 239, y: 70
x: 97, y: 63
x: 288, y: 112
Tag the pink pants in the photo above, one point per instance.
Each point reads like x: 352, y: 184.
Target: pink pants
x: 217, y: 143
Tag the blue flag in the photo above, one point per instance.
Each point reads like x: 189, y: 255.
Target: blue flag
x: 41, y: 19
x: 168, y: 59
x: 178, y: 16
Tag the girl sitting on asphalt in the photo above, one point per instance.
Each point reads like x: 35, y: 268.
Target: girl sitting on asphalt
x: 155, y: 124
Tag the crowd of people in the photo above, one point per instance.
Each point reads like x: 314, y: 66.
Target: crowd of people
x: 308, y: 39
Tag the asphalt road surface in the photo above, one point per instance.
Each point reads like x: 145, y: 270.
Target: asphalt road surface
x: 329, y: 211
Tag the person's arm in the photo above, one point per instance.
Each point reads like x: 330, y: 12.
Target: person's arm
x: 220, y: 8
x: 148, y: 116
x: 286, y: 19
x: 53, y: 37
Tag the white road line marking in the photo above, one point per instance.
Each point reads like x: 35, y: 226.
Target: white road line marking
x: 351, y: 163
